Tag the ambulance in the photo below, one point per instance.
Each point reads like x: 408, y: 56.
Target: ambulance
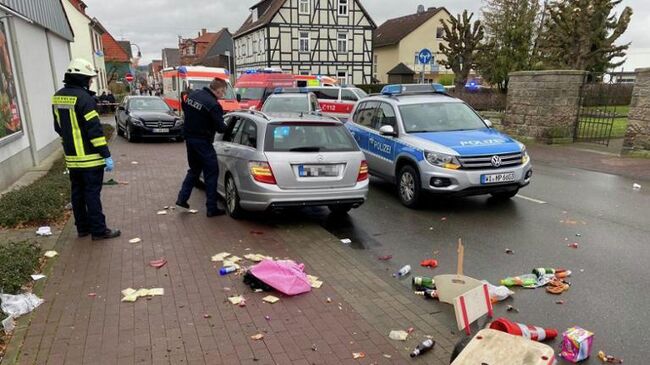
x: 254, y: 87
x: 177, y: 81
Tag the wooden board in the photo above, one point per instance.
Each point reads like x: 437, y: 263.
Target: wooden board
x: 492, y: 347
x: 471, y: 306
x: 449, y: 286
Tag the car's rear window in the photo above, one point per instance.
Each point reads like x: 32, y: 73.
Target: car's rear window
x: 309, y: 137
x: 286, y: 104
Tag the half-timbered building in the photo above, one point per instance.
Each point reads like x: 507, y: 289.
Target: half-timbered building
x: 308, y: 37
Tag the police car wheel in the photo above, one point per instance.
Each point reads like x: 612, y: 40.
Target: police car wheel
x: 408, y: 183
x: 505, y: 195
x: 232, y: 199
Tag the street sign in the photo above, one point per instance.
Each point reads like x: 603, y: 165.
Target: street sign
x: 128, y: 77
x: 425, y: 56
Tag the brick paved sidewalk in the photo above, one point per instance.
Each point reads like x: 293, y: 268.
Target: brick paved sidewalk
x: 72, y: 327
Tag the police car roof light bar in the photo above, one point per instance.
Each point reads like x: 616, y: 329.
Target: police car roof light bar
x: 410, y: 89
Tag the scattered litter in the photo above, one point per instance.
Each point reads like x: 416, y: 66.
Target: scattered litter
x: 358, y: 355
x: 346, y: 241
x: 498, y: 293
x: 220, y: 256
x: 578, y: 235
x: 68, y: 206
x: 510, y: 308
x: 135, y: 240
x: 636, y: 187
x: 405, y: 270
x: 430, y: 263
x: 388, y: 356
x: 227, y: 270
x: 258, y: 291
x: 428, y: 293
x: 271, y: 299
x: 192, y: 211
x: 268, y: 318
x: 410, y: 330
x: 134, y: 162
x: 131, y: 295
x: 257, y: 232
x: 557, y: 286
x: 609, y: 359
x: 430, y: 228
x: 443, y: 219
x: 559, y: 301
x: 533, y: 333
x: 92, y: 295
x: 15, y: 306
x: 232, y: 261
x: 207, y: 316
x: 115, y: 182
x: 255, y: 283
x: 50, y: 254
x: 573, y: 245
x: 44, y: 231
x: 161, y: 212
x: 329, y: 300
x: 314, y: 347
x: 314, y: 282
x: 423, y: 282
x: 256, y: 257
x: 398, y: 335
x: 236, y: 300
x: 423, y: 347
x: 158, y: 263
x: 257, y: 337
x: 576, y: 344
x: 509, y: 251
x: 385, y: 257
x: 36, y: 277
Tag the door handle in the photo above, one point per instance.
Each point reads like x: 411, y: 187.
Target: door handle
x: 227, y: 149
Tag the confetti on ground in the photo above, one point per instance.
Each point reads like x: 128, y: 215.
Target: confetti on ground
x: 257, y: 337
x: 135, y: 240
x: 207, y: 316
x: 92, y: 295
x: 50, y: 254
x: 220, y: 256
x: 256, y: 257
x: 358, y: 355
x: 161, y: 212
x: 387, y: 356
x: 236, y: 300
x: 158, y: 263
x: 329, y: 300
x: 192, y: 211
x: 314, y: 282
x: 134, y: 162
x: 346, y: 241
x: 271, y: 299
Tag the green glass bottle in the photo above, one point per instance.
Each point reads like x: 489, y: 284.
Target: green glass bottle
x: 424, y: 282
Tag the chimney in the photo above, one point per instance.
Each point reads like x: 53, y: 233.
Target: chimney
x: 420, y: 9
x: 203, y: 31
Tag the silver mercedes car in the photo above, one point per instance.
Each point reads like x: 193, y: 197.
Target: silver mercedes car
x: 275, y: 162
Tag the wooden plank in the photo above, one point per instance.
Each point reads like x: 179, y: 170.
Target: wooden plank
x: 493, y: 347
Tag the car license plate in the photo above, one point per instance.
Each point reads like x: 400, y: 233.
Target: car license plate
x: 498, y: 178
x: 318, y: 170
x: 161, y: 130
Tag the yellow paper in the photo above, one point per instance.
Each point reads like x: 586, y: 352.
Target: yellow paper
x: 236, y: 300
x: 162, y: 212
x: 220, y: 256
x: 50, y: 254
x: 142, y: 292
x: 314, y: 282
x: 156, y: 291
x: 135, y: 240
x: 128, y: 291
x: 258, y: 336
x: 256, y: 257
x: 271, y: 299
x: 130, y: 298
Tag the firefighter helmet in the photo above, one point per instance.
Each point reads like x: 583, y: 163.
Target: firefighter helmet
x: 80, y: 66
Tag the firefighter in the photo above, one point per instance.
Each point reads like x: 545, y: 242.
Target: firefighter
x: 86, y: 152
x: 203, y: 119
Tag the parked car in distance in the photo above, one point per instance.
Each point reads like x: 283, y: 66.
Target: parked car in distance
x: 147, y: 116
x: 291, y: 100
x: 268, y: 162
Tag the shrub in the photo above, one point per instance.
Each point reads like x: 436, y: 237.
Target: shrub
x: 446, y: 79
x: 18, y: 260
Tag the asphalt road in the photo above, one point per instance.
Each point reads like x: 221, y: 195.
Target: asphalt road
x: 609, y: 294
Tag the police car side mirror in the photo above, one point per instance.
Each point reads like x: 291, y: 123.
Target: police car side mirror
x: 239, y: 98
x: 488, y: 123
x: 387, y: 130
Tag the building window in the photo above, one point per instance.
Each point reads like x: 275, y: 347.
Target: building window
x: 303, y: 7
x: 304, y: 73
x: 440, y: 32
x: 254, y: 46
x: 261, y: 44
x: 304, y: 42
x: 343, y: 7
x: 342, y: 43
x: 374, y: 66
x: 342, y: 76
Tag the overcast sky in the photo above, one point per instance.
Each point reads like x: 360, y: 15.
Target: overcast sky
x: 155, y: 24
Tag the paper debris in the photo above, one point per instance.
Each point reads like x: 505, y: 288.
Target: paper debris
x: 131, y: 295
x: 256, y: 257
x: 161, y: 212
x: 271, y: 299
x: 232, y: 261
x: 220, y: 256
x: 135, y: 240
x: 192, y: 211
x: 158, y: 263
x: 44, y: 231
x: 358, y: 355
x: 236, y: 300
x: 314, y: 282
x: 38, y: 277
x: 388, y: 356
x: 398, y: 335
x: 17, y: 305
x: 92, y: 295
x: 134, y: 162
x: 50, y: 254
x: 346, y: 241
x: 258, y: 336
x: 636, y: 186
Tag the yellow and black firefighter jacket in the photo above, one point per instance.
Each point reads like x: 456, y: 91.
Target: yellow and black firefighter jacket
x: 77, y: 122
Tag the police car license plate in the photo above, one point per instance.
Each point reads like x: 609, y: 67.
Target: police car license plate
x: 161, y: 130
x: 498, y: 178
x: 318, y: 170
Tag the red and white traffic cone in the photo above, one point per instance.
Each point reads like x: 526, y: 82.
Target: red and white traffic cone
x: 518, y: 329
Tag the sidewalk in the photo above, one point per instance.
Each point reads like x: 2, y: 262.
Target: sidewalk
x: 193, y: 322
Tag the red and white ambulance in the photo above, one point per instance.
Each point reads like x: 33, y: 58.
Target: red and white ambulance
x: 254, y: 88
x: 337, y: 101
x: 179, y: 80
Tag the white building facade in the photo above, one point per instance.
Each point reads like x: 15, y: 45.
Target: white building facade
x: 308, y: 37
x: 34, y: 54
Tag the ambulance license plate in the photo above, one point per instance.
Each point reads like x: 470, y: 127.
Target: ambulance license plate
x: 498, y: 178
x: 161, y: 130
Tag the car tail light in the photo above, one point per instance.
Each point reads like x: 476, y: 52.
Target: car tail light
x: 261, y: 171
x: 363, y: 171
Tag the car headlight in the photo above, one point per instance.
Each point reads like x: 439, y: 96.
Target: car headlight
x: 178, y: 123
x: 137, y: 122
x: 442, y: 160
x: 524, y: 155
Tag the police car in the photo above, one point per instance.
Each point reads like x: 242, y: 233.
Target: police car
x: 425, y: 140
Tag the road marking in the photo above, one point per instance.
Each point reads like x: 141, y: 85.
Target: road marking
x: 530, y: 199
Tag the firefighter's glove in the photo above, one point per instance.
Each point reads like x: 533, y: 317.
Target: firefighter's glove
x: 109, y: 164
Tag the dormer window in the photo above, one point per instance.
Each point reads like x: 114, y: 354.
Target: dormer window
x: 303, y: 7
x: 254, y: 14
x: 343, y: 7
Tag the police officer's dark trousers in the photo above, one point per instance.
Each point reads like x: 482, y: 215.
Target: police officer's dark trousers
x: 86, y: 203
x: 201, y: 157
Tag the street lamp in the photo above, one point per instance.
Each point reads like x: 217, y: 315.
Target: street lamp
x: 139, y: 51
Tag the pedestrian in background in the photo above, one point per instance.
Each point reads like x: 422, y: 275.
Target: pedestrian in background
x: 203, y: 119
x: 86, y: 151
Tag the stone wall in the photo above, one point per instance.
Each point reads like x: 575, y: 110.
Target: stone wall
x: 637, y: 136
x: 543, y: 104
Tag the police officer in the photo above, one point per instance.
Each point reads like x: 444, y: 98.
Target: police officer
x: 203, y: 119
x: 86, y: 152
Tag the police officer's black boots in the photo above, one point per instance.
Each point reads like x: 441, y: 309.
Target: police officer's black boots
x: 109, y: 233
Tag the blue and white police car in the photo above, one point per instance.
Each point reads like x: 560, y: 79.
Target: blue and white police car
x: 425, y: 140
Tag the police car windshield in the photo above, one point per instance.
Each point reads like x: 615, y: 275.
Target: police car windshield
x: 148, y: 104
x: 251, y: 93
x: 200, y: 84
x: 439, y: 117
x: 287, y: 104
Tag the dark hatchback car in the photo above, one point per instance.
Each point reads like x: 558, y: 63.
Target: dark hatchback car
x: 147, y: 116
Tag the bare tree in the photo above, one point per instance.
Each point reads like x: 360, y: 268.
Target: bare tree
x: 463, y: 43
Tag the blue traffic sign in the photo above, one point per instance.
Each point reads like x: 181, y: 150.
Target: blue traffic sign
x: 425, y: 56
